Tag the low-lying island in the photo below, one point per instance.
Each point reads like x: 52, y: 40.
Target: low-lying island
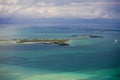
x: 51, y: 41
x: 45, y: 41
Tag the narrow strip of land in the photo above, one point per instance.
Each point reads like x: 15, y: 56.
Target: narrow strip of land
x: 50, y: 41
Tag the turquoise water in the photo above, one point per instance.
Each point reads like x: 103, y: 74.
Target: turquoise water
x: 84, y: 59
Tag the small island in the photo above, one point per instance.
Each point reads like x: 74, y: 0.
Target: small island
x: 45, y: 41
x: 62, y: 42
x: 41, y: 41
x: 86, y: 36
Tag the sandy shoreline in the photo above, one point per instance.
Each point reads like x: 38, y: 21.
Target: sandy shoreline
x: 40, y: 41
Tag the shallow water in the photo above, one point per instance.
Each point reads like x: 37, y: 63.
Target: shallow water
x: 85, y: 59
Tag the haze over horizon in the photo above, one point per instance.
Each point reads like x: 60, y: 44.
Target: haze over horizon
x: 60, y: 12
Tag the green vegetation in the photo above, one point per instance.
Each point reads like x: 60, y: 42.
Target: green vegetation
x: 52, y: 41
x: 45, y: 41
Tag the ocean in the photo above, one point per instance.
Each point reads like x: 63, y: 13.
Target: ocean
x: 83, y: 59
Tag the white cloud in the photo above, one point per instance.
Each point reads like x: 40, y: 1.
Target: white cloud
x: 47, y: 9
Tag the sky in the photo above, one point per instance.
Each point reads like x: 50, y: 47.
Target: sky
x: 34, y: 10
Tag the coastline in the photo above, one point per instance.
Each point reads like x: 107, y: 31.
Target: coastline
x: 33, y: 41
x: 64, y: 41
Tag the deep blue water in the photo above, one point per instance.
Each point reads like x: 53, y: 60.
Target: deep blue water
x: 87, y: 59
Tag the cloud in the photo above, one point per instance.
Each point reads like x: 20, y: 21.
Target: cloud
x: 60, y: 9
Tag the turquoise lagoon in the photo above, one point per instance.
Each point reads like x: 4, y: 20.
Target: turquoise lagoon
x: 84, y: 59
